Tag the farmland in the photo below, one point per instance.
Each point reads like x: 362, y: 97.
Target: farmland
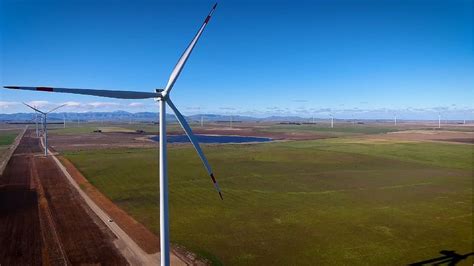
x: 43, y: 220
x: 356, y: 199
x: 7, y: 137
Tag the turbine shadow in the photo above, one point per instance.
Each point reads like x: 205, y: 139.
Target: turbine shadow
x: 450, y: 257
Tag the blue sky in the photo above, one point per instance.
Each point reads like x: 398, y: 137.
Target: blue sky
x: 367, y: 58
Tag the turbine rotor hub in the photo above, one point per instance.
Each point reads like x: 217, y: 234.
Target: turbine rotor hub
x: 160, y: 93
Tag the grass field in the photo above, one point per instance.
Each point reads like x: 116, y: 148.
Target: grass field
x: 7, y: 138
x: 334, y: 201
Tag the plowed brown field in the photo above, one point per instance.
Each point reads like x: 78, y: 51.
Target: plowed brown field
x: 43, y: 220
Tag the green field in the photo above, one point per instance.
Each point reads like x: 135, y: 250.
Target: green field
x: 326, y: 202
x: 7, y: 138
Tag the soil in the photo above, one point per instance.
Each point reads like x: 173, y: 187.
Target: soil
x: 432, y: 135
x: 461, y: 140
x: 43, y: 219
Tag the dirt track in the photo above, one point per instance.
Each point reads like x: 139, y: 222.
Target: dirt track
x: 432, y: 135
x: 43, y: 219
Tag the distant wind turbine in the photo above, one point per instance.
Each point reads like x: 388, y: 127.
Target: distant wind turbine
x: 36, y: 122
x: 163, y: 97
x: 332, y: 120
x: 439, y: 120
x: 45, y: 124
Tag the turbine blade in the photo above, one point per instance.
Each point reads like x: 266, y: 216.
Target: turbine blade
x: 195, y: 143
x: 103, y: 93
x: 184, y: 57
x: 34, y: 108
x: 56, y: 108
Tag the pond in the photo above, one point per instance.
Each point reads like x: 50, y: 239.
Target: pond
x: 213, y: 139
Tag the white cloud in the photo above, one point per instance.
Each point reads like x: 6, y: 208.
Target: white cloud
x: 102, y: 104
x: 72, y: 104
x: 6, y: 105
x: 135, y: 104
x: 39, y: 104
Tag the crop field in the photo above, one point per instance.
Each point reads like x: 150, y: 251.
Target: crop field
x: 6, y: 139
x: 336, y: 201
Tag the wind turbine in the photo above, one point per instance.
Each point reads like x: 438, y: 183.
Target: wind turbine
x: 45, y: 127
x: 332, y: 120
x: 163, y: 97
x: 439, y: 120
x: 36, y: 122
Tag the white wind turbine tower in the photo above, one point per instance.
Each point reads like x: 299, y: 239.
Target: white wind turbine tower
x: 201, y: 119
x: 439, y: 120
x: 45, y: 124
x: 163, y: 97
x: 332, y: 120
x: 36, y: 122
x: 395, y: 119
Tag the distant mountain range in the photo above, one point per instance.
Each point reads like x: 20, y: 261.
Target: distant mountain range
x: 124, y: 116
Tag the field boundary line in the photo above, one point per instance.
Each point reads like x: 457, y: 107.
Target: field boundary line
x: 12, y: 148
